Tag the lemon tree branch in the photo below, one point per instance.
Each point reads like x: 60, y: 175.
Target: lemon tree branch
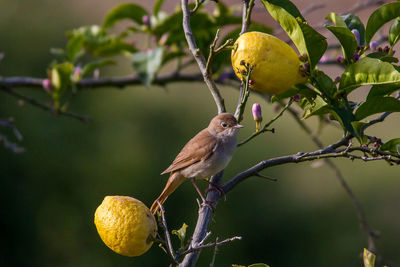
x: 201, y: 61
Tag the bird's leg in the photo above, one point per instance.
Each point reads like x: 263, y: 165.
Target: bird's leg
x: 198, y: 190
x: 205, y: 202
x: 215, y: 187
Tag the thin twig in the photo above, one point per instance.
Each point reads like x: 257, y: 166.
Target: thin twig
x: 212, y: 244
x: 246, y: 15
x: 44, y: 107
x: 167, y: 235
x: 91, y: 83
x: 198, y: 56
x: 265, y: 127
x: 9, y: 123
x: 244, y: 93
x: 214, y: 51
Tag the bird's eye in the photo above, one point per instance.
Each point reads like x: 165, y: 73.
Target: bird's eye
x: 224, y: 125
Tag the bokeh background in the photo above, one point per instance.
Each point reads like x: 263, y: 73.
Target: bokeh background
x: 50, y: 192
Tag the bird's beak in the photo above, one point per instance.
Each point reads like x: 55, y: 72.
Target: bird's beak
x: 237, y: 126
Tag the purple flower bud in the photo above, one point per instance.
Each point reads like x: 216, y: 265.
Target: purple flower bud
x: 386, y: 49
x: 296, y: 98
x: 146, y: 20
x: 324, y: 59
x: 356, y: 57
x: 244, y: 72
x: 256, y: 110
x: 242, y: 62
x: 251, y: 82
x: 337, y: 79
x: 356, y: 35
x: 47, y: 86
x: 373, y: 46
x: 340, y: 59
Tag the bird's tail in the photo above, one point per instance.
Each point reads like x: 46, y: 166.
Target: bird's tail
x: 174, y: 180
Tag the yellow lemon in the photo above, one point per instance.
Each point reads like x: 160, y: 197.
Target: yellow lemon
x: 276, y: 64
x: 125, y: 225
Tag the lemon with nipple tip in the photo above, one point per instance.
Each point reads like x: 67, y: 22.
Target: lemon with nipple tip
x: 276, y: 66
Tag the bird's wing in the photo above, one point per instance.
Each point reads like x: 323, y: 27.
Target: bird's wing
x: 199, y: 148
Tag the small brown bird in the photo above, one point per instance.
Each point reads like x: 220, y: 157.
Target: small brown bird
x: 206, y: 154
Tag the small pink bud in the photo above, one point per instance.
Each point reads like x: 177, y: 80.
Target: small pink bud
x: 256, y: 110
x: 340, y: 59
x: 356, y: 35
x: 47, y: 86
x: 77, y: 74
x: 163, y: 40
x: 146, y: 20
x: 373, y: 46
x: 251, y: 82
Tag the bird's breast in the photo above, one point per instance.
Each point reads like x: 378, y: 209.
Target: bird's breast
x: 219, y: 159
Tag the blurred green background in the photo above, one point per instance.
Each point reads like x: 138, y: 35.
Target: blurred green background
x: 50, y: 192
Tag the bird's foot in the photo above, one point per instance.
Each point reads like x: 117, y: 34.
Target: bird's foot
x: 217, y: 187
x: 209, y: 204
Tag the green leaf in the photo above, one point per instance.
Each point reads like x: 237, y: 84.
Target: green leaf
x: 181, y: 233
x: 125, y: 11
x: 368, y: 258
x: 157, y: 6
x: 323, y: 83
x: 354, y: 23
x: 394, y: 32
x: 368, y: 71
x: 382, y: 90
x: 336, y: 19
x: 96, y: 65
x: 61, y: 75
x: 99, y: 43
x: 383, y: 57
x: 289, y: 93
x: 75, y: 47
x: 306, y: 39
x: 380, y: 16
x: 392, y: 145
x: 377, y: 104
x: 346, y: 118
x: 147, y: 64
x: 258, y: 265
x: 346, y: 39
x: 317, y: 107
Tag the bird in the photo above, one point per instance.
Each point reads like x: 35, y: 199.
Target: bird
x: 206, y: 154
